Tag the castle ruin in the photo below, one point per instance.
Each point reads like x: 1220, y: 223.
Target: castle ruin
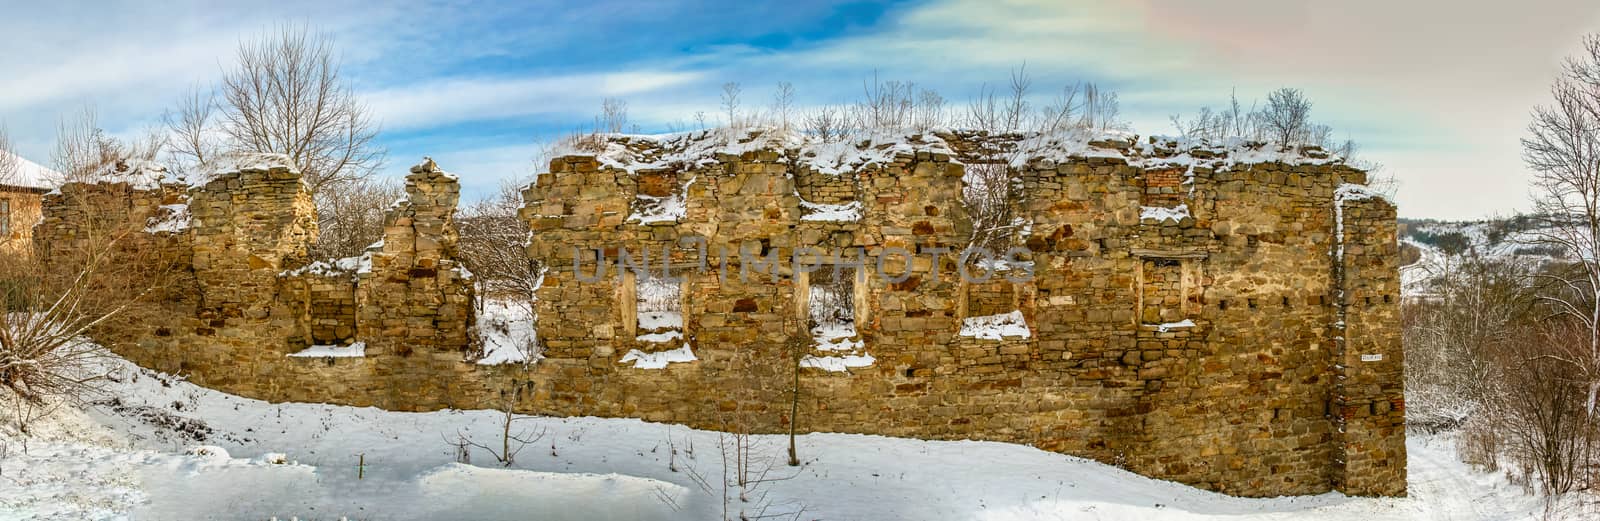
x: 1222, y: 315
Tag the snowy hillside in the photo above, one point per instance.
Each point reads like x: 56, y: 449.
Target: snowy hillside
x: 1430, y: 247
x: 154, y: 447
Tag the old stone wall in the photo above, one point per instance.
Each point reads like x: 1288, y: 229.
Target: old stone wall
x: 1221, y: 316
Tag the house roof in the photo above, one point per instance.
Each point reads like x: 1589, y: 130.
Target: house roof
x: 29, y: 174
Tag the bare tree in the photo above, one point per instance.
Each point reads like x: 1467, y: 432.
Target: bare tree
x: 350, y: 216
x: 1059, y: 114
x: 493, y: 245
x: 1101, y: 109
x: 730, y: 102
x: 1287, y: 116
x: 193, y: 140
x: 929, y: 111
x: 84, y: 150
x: 287, y: 96
x: 988, y: 191
x: 9, y: 164
x: 783, y: 103
x: 884, y: 105
x: 1563, y: 150
x: 1540, y: 407
x: 613, y: 116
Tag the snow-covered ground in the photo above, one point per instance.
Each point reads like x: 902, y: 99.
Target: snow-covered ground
x: 154, y: 447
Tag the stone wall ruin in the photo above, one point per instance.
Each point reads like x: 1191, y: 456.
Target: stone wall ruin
x: 1221, y: 315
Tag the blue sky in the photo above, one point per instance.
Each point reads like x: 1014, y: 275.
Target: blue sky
x: 1436, y: 91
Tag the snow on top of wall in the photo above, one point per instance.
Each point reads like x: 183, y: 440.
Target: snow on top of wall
x: 138, y: 174
x: 1355, y: 192
x: 1162, y: 213
x: 428, y: 165
x: 356, y: 350
x: 847, y: 212
x: 28, y: 174
x: 656, y: 152
x: 837, y: 364
x: 170, y: 218
x: 346, y: 266
x: 1159, y: 152
x: 1349, y: 192
x: 996, y: 327
x: 248, y: 162
x: 659, y: 360
x: 634, y: 153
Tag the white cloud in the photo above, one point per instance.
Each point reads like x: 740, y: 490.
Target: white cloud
x: 454, y: 100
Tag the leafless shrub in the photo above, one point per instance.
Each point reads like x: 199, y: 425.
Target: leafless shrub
x: 83, y: 150
x: 106, y: 282
x: 1230, y: 121
x: 9, y: 164
x: 658, y: 294
x: 995, y: 112
x: 194, y: 141
x: 613, y: 115
x: 494, y: 244
x: 989, y: 194
x: 730, y: 103
x: 1287, y: 117
x: 832, y: 298
x: 1540, y: 407
x: 827, y: 124
x: 885, y: 105
x: 783, y: 103
x: 1101, y: 110
x: 510, y: 444
x: 1062, y: 112
x: 1287, y: 122
x: 1450, y: 337
x: 350, y: 215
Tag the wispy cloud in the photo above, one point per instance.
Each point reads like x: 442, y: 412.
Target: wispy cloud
x: 454, y: 100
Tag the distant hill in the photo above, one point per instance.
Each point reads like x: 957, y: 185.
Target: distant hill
x: 1428, y: 246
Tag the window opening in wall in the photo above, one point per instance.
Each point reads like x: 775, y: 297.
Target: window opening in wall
x: 992, y: 311
x: 5, y: 219
x: 657, y: 320
x: 832, y: 307
x: 660, y: 310
x: 831, y: 316
x: 1164, y: 293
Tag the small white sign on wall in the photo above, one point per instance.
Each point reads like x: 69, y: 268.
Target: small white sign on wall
x: 1372, y: 358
